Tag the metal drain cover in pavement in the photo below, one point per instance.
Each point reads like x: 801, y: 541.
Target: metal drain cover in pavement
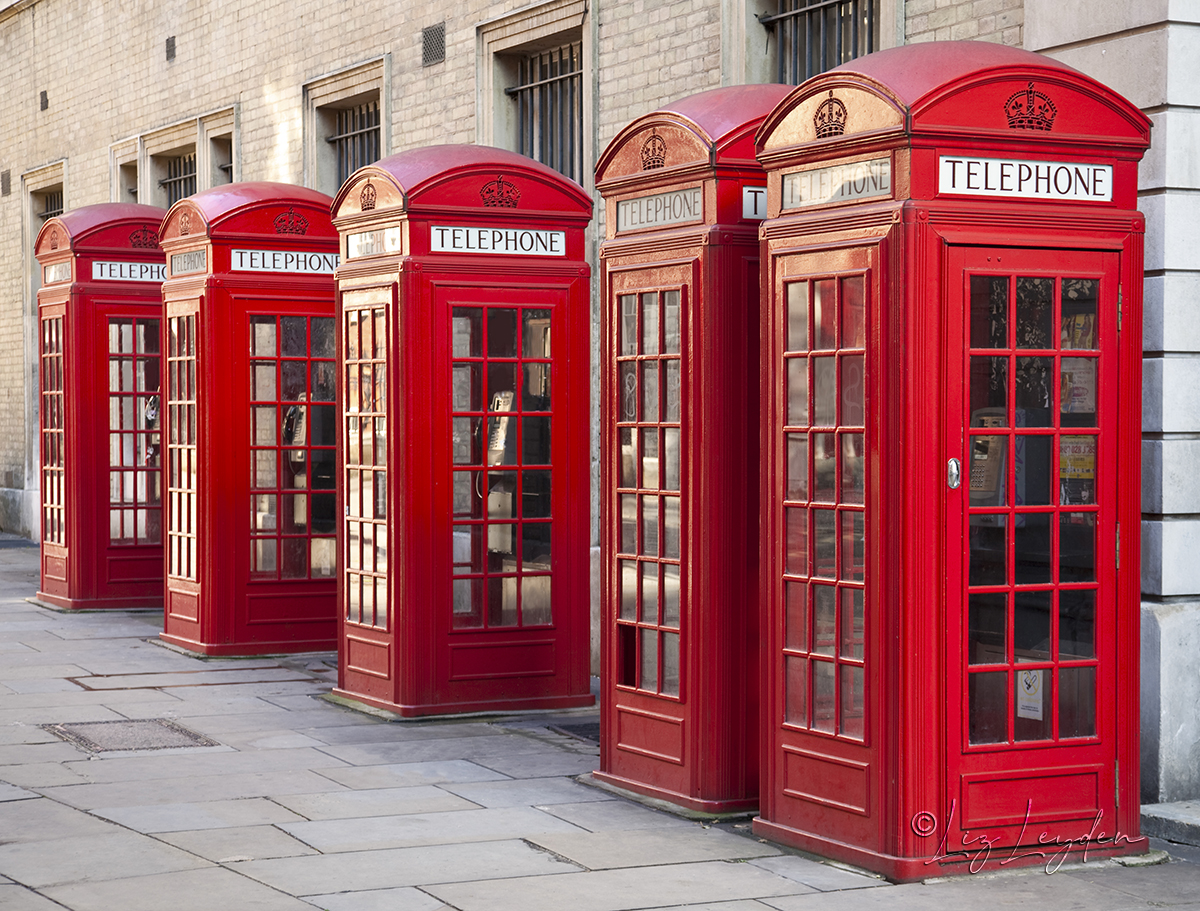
x: 589, y: 731
x: 108, y: 736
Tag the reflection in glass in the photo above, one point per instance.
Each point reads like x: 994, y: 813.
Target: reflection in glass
x: 854, y: 327
x: 1031, y: 626
x: 987, y: 628
x: 1076, y: 702
x: 670, y: 669
x: 629, y: 332
x: 797, y: 316
x: 1031, y: 546
x: 629, y: 589
x: 797, y: 401
x: 989, y: 391
x: 1078, y: 326
x: 853, y: 546
x: 825, y: 314
x: 988, y: 564
x: 671, y: 322
x: 797, y: 466
x: 501, y: 332
x: 824, y: 466
x: 650, y: 323
x: 535, y: 600
x: 796, y: 616
x: 672, y: 405
x: 1032, y: 457
x: 465, y: 388
x: 671, y: 526
x: 670, y: 462
x: 1077, y: 547
x: 796, y: 673
x: 670, y: 595
x: 629, y: 523
x: 535, y: 440
x: 628, y: 391
x: 853, y: 385
x: 852, y: 632
x: 649, y: 675
x: 824, y: 619
x: 852, y: 723
x: 322, y: 337
x: 1034, y: 384
x: 262, y: 336
x: 650, y: 526
x: 650, y: 391
x: 795, y: 560
x: 853, y: 464
x: 825, y: 543
x: 535, y: 333
x: 1035, y: 313
x: 824, y: 391
x: 295, y: 336
x: 1076, y: 624
x: 987, y: 700
x: 465, y: 333
x: 989, y: 311
x: 649, y: 458
x: 649, y: 593
x: 824, y: 708
x: 629, y: 457
x: 467, y: 604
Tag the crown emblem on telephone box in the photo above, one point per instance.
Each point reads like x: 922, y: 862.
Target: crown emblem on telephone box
x: 654, y: 152
x: 366, y: 199
x: 144, y: 238
x: 830, y: 118
x: 500, y: 193
x: 1030, y: 110
x: 290, y: 222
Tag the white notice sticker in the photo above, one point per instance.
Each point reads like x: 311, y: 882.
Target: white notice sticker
x: 1029, y: 694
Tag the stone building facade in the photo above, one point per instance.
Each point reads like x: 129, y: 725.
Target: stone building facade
x: 103, y: 102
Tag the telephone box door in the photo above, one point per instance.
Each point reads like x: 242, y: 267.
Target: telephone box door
x: 1032, y: 404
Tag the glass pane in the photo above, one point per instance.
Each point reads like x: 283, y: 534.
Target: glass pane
x: 295, y: 558
x: 672, y: 406
x: 987, y: 707
x: 629, y: 457
x: 824, y: 619
x: 796, y: 616
x: 988, y: 563
x: 795, y: 560
x: 1079, y: 298
x: 629, y: 332
x: 535, y: 392
x: 535, y: 494
x: 1077, y: 702
x: 852, y: 632
x: 649, y: 458
x: 853, y: 464
x: 797, y: 316
x: 1031, y: 626
x: 322, y: 337
x: 535, y: 547
x: 650, y: 526
x: 262, y: 336
x: 797, y: 401
x: 1076, y: 624
x: 853, y: 547
x: 989, y: 311
x: 465, y: 433
x: 670, y: 463
x: 264, y: 554
x: 501, y: 332
x: 629, y: 523
x: 824, y: 710
x: 1032, y: 459
x: 649, y: 593
x: 988, y: 473
x: 295, y: 382
x: 466, y: 387
x: 502, y: 601
x: 467, y: 605
x: 989, y: 391
x: 629, y: 391
x: 670, y: 670
x: 649, y: 675
x: 1077, y: 547
x: 824, y: 391
x: 825, y: 543
x: 853, y: 385
x: 854, y: 326
x: 671, y: 322
x: 650, y: 391
x: 670, y: 595
x: 797, y: 466
x: 1031, y: 532
x: 262, y: 388
x: 650, y: 323
x: 535, y: 333
x: 1035, y: 312
x: 796, y: 672
x: 1078, y: 387
x: 671, y: 526
x: 465, y: 334
x: 535, y: 600
x: 825, y: 314
x: 1077, y: 470
x: 987, y: 629
x: 1033, y: 708
x: 295, y: 336
x: 629, y: 590
x: 535, y: 441
x: 264, y: 426
x: 852, y: 722
x: 1034, y: 385
x: 824, y: 467
x: 501, y: 501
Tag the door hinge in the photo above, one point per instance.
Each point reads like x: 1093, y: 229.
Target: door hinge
x: 1120, y: 306
x: 1118, y: 545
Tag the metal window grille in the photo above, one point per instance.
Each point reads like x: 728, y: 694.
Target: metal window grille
x: 180, y: 181
x: 433, y: 44
x: 52, y: 204
x: 356, y: 138
x: 549, y: 98
x: 816, y: 35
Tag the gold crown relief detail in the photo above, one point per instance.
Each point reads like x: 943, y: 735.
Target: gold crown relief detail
x: 1030, y: 110
x: 830, y: 118
x: 291, y: 222
x: 144, y: 238
x: 54, y: 239
x: 654, y: 152
x: 500, y: 193
x: 185, y: 223
x: 366, y: 199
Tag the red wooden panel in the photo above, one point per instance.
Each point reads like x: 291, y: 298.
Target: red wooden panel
x: 482, y: 660
x: 658, y: 736
x: 1047, y: 795
x: 831, y: 781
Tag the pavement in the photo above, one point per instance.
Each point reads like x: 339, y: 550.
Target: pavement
x: 233, y: 784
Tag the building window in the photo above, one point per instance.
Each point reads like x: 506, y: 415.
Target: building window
x: 816, y: 35
x: 51, y: 203
x: 549, y: 102
x: 346, y: 123
x: 180, y: 181
x: 355, y: 139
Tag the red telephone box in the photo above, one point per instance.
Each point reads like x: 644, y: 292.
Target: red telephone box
x: 99, y: 309
x: 684, y: 199
x: 250, y: 421
x: 951, y: 449
x: 464, y: 332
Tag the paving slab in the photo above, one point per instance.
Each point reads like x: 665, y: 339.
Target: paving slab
x: 337, y: 835
x: 215, y: 814
x: 148, y: 766
x: 19, y: 898
x: 487, y: 750
x: 742, y: 905
x: 403, y: 899
x: 542, y: 765
x: 29, y: 685
x: 615, y: 815
x: 1170, y: 884
x: 820, y: 876
x: 527, y: 792
x: 389, y: 869
x: 268, y: 718
x: 11, y: 792
x: 11, y: 734
x: 18, y: 670
x: 92, y: 858
x: 41, y: 819
x: 651, y: 847
x: 196, y: 789
x: 270, y: 740
x: 204, y: 676
x: 25, y: 753
x: 619, y: 890
x: 378, y: 731
x: 39, y: 775
x: 410, y: 774
x: 375, y: 802
x: 237, y: 843
x: 194, y: 890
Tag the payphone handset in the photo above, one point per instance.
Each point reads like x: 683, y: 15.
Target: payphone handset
x: 989, y: 457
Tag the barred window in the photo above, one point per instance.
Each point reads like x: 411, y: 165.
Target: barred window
x: 180, y: 181
x: 355, y: 139
x: 817, y: 35
x: 549, y: 100
x: 52, y: 204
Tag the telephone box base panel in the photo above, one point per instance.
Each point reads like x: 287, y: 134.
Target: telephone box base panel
x: 485, y: 707
x: 56, y: 602
x: 735, y: 807
x: 251, y: 649
x: 975, y: 858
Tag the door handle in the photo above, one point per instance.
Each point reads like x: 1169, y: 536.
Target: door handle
x: 953, y: 474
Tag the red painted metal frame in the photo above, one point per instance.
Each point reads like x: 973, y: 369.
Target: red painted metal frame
x: 84, y: 569
x: 216, y: 606
x: 692, y: 741
x: 406, y: 655
x: 893, y: 801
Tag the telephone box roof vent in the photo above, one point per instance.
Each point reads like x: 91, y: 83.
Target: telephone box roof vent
x: 459, y: 178
x: 705, y: 129
x: 961, y: 91
x: 108, y: 226
x: 251, y: 208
